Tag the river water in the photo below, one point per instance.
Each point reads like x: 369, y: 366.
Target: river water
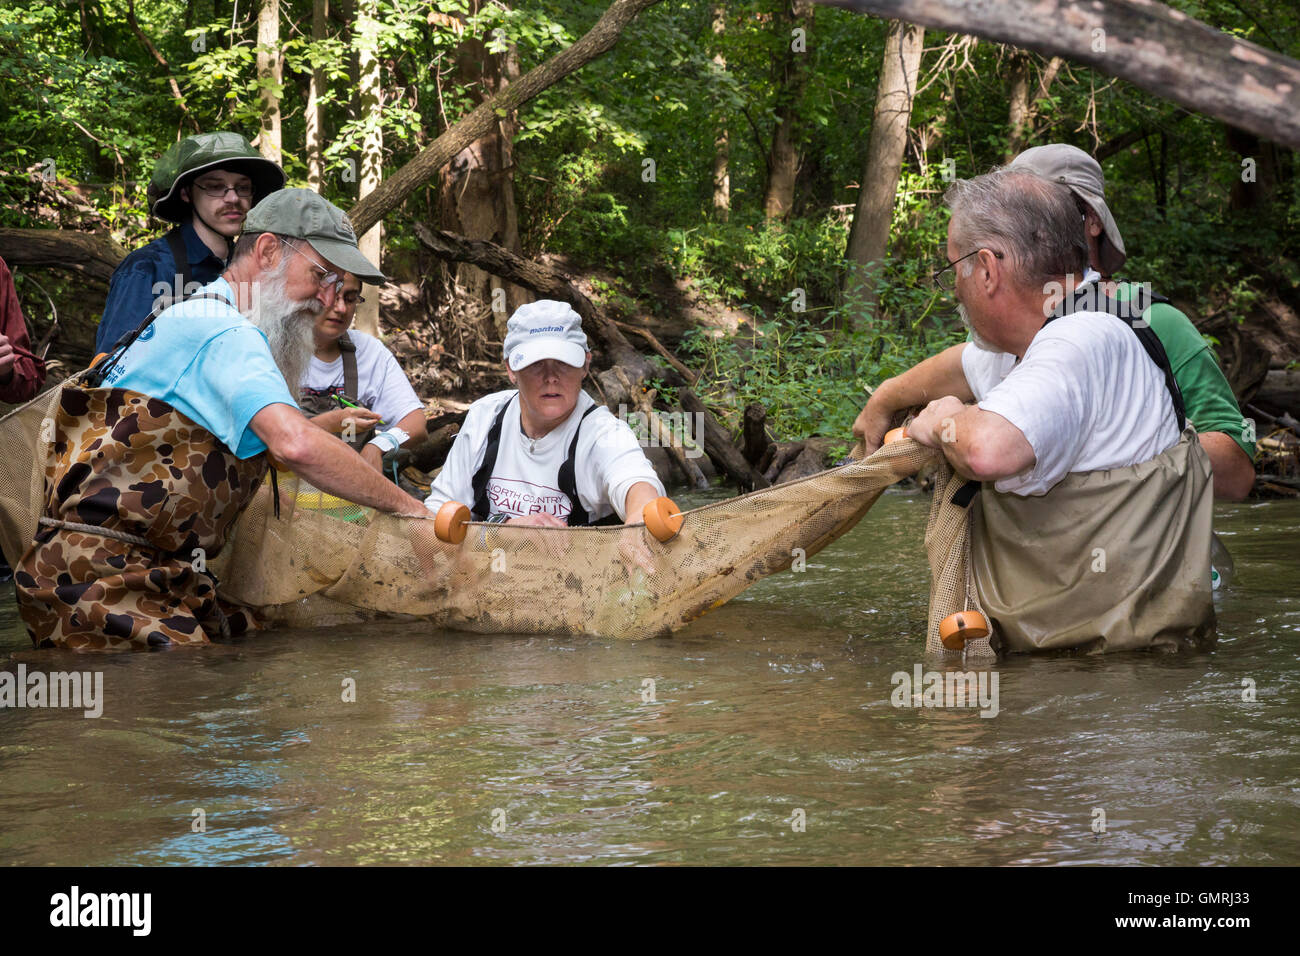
x: 763, y: 733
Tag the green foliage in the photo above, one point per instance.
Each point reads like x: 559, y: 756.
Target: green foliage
x: 812, y: 376
x: 81, y: 90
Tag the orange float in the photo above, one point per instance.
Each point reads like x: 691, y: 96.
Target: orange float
x: 663, y: 518
x: 895, y: 434
x: 452, y: 522
x: 956, y: 629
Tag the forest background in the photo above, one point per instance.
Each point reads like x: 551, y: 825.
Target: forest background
x: 756, y: 184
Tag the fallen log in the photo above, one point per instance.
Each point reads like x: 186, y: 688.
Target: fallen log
x: 655, y: 344
x: 85, y: 253
x: 619, y: 388
x: 432, y: 452
x: 1280, y: 392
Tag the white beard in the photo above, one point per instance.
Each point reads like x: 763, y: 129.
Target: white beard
x: 976, y: 339
x: 287, y: 324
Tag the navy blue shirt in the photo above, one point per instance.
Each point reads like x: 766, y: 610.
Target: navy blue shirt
x: 144, y: 276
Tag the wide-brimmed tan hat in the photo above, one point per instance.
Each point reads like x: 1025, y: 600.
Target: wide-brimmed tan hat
x: 1062, y: 163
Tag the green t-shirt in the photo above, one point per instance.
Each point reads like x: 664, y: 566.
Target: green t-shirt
x: 1211, y: 406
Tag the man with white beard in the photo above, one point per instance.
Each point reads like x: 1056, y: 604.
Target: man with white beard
x: 158, y: 447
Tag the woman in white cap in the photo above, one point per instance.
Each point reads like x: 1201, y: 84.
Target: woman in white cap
x: 545, y: 453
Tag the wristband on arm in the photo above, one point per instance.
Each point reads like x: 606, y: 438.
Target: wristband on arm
x: 390, y: 440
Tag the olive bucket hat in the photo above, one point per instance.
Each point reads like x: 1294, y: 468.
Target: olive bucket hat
x: 303, y: 214
x: 181, y: 164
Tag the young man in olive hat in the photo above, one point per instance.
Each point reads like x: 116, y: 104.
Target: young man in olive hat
x: 205, y: 184
x: 163, y: 443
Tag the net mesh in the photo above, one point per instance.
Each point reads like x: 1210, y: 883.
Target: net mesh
x: 326, y: 561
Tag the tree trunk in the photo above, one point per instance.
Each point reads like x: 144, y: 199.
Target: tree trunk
x: 269, y: 74
x: 476, y: 193
x: 315, y: 116
x: 1256, y: 182
x: 1161, y: 50
x: 792, y: 73
x: 369, y: 104
x: 1018, y: 101
x: 869, y: 235
x: 722, y: 138
x: 1025, y: 96
x: 598, y: 40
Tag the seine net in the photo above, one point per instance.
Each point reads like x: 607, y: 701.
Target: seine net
x: 326, y: 561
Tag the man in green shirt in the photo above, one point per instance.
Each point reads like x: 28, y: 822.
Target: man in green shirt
x: 1226, y: 436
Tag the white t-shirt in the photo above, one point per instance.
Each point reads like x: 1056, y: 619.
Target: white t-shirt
x: 525, y: 481
x: 382, y: 385
x: 1086, y: 396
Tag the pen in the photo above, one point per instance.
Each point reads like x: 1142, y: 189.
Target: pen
x: 343, y: 401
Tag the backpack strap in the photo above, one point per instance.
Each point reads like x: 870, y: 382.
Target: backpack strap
x: 480, y: 510
x: 1089, y: 298
x: 94, y: 376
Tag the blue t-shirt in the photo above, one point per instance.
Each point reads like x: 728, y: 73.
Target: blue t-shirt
x: 204, y: 359
x: 144, y: 275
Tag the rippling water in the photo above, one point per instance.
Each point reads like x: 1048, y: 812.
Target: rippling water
x: 770, y: 738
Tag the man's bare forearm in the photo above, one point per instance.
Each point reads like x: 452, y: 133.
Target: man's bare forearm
x: 326, y: 462
x: 921, y: 384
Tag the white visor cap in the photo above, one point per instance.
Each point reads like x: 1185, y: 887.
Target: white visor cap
x: 546, y: 329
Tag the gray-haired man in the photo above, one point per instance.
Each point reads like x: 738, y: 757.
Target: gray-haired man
x: 1093, y: 528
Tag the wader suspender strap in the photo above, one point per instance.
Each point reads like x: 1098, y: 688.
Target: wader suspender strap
x: 480, y: 511
x: 568, y: 483
x: 176, y: 242
x: 577, y: 514
x: 348, y: 352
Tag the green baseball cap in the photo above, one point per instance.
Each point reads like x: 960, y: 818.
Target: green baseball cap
x: 302, y: 214
x: 184, y: 162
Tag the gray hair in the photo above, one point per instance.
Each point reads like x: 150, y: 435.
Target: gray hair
x: 1032, y: 221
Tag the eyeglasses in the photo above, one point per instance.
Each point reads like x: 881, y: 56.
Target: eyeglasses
x: 324, y: 279
x: 949, y: 282
x: 218, y: 190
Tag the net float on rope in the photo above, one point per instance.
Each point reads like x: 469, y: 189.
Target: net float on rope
x: 956, y: 629
x: 451, y: 522
x: 663, y: 518
x: 895, y: 434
